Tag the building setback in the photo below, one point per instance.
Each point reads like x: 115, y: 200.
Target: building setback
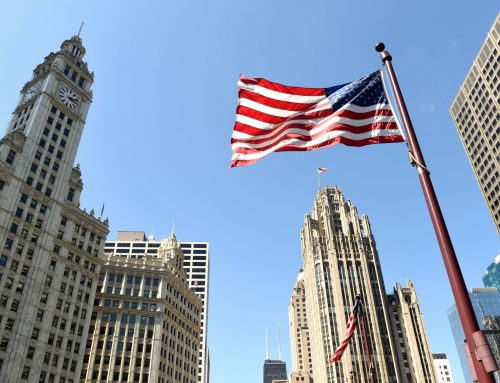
x: 135, y: 245
x: 476, y: 114
x: 49, y: 261
x: 340, y: 261
x: 146, y: 320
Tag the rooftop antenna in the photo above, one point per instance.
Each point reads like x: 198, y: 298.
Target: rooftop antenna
x: 80, y: 30
x: 279, y: 342
x: 267, y: 347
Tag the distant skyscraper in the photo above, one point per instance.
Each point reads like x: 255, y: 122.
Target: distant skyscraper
x: 443, y: 368
x: 340, y: 260
x: 299, y: 334
x: 492, y: 276
x: 49, y: 262
x: 146, y: 320
x: 486, y: 304
x: 274, y: 370
x: 476, y: 113
x: 135, y: 245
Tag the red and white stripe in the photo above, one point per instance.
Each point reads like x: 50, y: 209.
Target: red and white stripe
x: 351, y: 326
x: 271, y: 117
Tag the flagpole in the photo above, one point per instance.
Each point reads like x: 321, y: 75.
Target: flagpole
x: 371, y: 376
x: 462, y: 300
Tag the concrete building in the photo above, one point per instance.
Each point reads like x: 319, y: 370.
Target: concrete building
x: 146, y: 321
x: 492, y: 276
x: 443, y: 368
x: 49, y: 263
x: 340, y: 260
x: 135, y: 245
x: 476, y: 114
x: 414, y: 352
x: 486, y: 304
x: 300, y: 344
x: 274, y: 370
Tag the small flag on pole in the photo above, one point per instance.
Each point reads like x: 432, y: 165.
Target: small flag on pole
x: 271, y: 117
x: 351, y: 326
x: 322, y: 170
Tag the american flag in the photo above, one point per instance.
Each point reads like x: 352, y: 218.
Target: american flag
x: 271, y: 117
x: 351, y: 326
x: 322, y: 170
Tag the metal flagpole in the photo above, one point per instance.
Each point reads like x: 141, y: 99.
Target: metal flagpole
x: 479, y: 348
x: 371, y: 376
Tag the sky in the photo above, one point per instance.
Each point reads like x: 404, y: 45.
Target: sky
x: 156, y: 143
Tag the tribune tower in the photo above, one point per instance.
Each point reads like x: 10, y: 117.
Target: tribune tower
x: 49, y: 260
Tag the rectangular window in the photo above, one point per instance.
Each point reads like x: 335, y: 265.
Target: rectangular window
x: 71, y: 194
x: 10, y: 157
x: 66, y: 71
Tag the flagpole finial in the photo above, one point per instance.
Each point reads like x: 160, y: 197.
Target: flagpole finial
x: 384, y: 55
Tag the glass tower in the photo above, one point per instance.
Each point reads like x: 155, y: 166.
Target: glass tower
x: 486, y: 304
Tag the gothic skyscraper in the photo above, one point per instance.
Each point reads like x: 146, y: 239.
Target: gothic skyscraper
x: 49, y: 261
x: 340, y: 261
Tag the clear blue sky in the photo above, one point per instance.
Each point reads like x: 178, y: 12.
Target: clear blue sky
x: 156, y: 142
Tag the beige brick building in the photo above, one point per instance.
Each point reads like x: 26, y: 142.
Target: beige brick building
x: 49, y: 262
x: 476, y: 114
x: 340, y: 261
x: 146, y: 322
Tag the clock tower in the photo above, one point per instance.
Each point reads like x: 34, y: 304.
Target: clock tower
x: 50, y: 248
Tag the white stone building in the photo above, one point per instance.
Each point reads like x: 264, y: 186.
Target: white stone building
x: 49, y: 262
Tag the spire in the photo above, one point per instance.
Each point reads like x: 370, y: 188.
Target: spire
x: 172, y: 233
x: 80, y: 30
x: 279, y: 342
x: 267, y: 347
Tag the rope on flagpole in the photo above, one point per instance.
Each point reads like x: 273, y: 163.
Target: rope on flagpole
x: 371, y: 377
x: 414, y: 162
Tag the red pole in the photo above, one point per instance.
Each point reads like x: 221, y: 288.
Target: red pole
x: 371, y: 376
x: 462, y: 300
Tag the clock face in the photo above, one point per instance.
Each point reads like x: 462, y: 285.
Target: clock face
x: 68, y: 97
x: 32, y: 91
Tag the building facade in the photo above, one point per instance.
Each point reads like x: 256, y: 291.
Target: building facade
x: 340, y: 260
x: 135, y: 245
x: 414, y: 352
x: 476, y: 114
x: 300, y: 344
x: 50, y: 259
x: 492, y: 276
x: 486, y: 305
x: 274, y: 370
x: 146, y: 321
x: 443, y: 368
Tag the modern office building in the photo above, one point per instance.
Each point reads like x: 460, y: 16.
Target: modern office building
x: 274, y: 370
x: 135, y: 245
x: 486, y: 304
x: 49, y: 263
x: 412, y: 343
x: 492, y: 276
x: 340, y: 260
x: 476, y: 114
x: 443, y: 368
x: 300, y: 344
x: 146, y: 321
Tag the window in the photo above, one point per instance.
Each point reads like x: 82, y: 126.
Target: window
x: 34, y: 334
x: 66, y: 72
x: 70, y: 196
x: 10, y: 157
